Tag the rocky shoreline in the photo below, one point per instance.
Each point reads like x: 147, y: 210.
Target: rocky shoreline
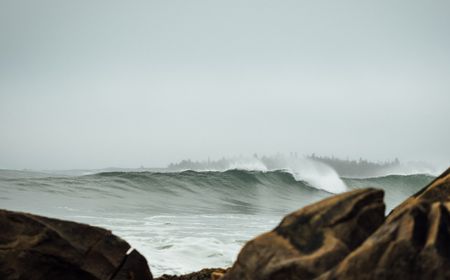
x: 346, y: 236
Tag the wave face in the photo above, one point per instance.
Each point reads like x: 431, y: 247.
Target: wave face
x: 396, y: 187
x: 316, y: 174
x: 181, y: 221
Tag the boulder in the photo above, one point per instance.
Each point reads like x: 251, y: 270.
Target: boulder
x: 437, y: 190
x: 312, y: 240
x: 413, y: 243
x: 35, y: 247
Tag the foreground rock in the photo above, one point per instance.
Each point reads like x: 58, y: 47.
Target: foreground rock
x: 413, y: 243
x: 437, y: 190
x: 312, y: 240
x: 35, y: 247
x: 344, y: 237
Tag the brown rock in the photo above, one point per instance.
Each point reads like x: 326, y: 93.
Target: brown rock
x: 413, y: 243
x: 437, y: 190
x: 204, y: 274
x: 35, y: 247
x: 312, y: 240
x: 134, y: 267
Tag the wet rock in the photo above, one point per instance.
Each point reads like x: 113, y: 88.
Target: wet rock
x: 312, y: 240
x: 437, y: 190
x: 134, y: 267
x: 413, y: 243
x: 35, y: 247
x: 204, y: 274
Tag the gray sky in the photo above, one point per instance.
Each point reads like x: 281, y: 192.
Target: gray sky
x: 91, y: 84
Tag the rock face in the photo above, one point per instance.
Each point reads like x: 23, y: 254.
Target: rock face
x: 438, y: 190
x: 312, y: 240
x: 413, y: 243
x: 35, y: 247
x: 344, y: 237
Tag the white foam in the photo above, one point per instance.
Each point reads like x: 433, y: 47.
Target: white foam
x: 249, y: 164
x: 191, y: 242
x: 316, y: 174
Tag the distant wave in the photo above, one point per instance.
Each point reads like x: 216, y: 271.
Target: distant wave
x: 316, y: 174
x: 231, y: 191
x: 228, y: 191
x: 207, y: 178
x: 249, y: 185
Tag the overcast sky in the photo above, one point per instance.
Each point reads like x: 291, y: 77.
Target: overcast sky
x: 92, y: 84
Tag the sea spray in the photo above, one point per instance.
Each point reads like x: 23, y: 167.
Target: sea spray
x: 316, y: 174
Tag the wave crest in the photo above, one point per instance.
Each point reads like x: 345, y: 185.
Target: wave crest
x: 316, y: 174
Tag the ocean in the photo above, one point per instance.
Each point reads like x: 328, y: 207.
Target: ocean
x: 187, y: 220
